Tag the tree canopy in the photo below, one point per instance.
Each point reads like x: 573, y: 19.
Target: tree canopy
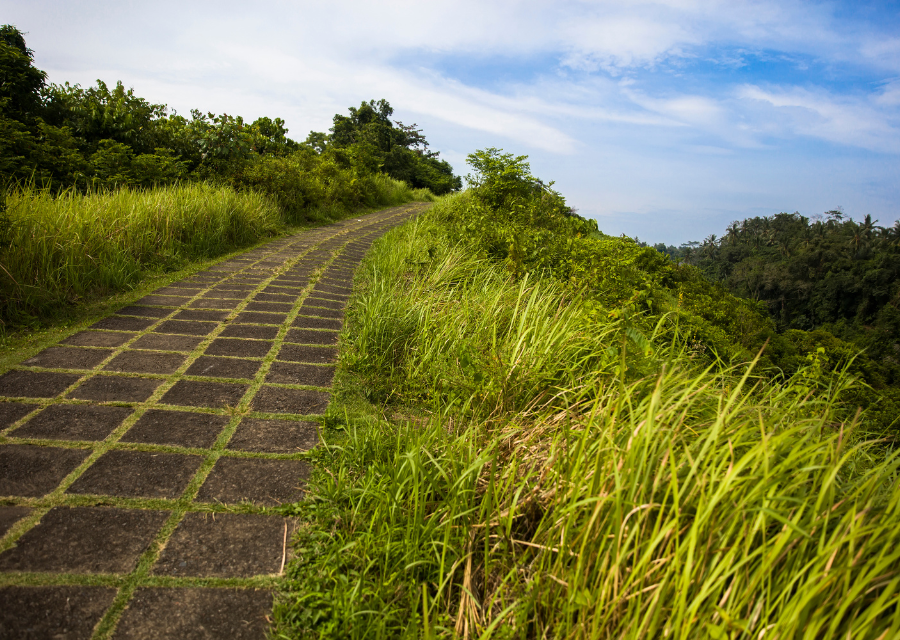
x: 399, y: 150
x: 68, y: 136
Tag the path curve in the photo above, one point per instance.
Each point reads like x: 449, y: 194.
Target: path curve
x: 137, y: 458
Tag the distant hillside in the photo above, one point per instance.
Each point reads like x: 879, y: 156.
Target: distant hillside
x: 826, y: 275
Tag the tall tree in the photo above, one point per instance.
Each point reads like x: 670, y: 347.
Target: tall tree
x: 21, y: 82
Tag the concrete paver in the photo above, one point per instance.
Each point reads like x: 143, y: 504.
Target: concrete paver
x: 11, y: 515
x: 300, y: 374
x: 151, y: 447
x: 258, y: 481
x: 138, y: 474
x: 73, y: 422
x: 157, y: 342
x: 177, y: 428
x: 274, y: 436
x: 34, y: 384
x: 215, y: 395
x: 224, y: 545
x: 308, y: 353
x: 241, y: 347
x: 31, y: 471
x: 52, y: 611
x: 98, y: 339
x: 146, y: 362
x: 195, y: 614
x: 271, y: 399
x: 87, y: 540
x: 215, y: 367
x: 115, y: 389
x: 311, y: 336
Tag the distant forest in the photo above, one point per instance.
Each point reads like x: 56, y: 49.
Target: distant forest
x: 827, y: 272
x: 67, y: 136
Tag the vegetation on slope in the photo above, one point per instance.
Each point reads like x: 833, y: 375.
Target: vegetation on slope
x: 830, y: 273
x: 537, y: 443
x: 825, y: 271
x: 55, y: 251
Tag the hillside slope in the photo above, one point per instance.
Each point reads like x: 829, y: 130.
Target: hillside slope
x: 532, y: 437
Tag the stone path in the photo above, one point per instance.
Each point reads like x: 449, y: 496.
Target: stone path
x: 138, y: 458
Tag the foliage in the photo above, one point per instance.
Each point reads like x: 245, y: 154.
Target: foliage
x: 510, y: 217
x: 57, y: 249
x: 828, y: 282
x: 70, y: 137
x: 98, y: 114
x: 808, y: 272
x: 66, y: 148
x: 531, y: 484
x: 20, y: 81
x: 400, y: 151
x: 305, y: 184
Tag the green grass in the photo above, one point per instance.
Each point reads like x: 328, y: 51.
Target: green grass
x: 60, y: 249
x: 508, y: 462
x: 60, y: 255
x: 20, y: 342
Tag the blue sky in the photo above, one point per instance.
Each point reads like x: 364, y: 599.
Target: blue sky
x: 661, y: 119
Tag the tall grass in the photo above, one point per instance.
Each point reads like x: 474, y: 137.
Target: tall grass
x: 537, y: 481
x: 57, y: 249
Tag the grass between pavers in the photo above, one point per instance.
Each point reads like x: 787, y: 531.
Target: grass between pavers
x: 242, y: 409
x: 177, y: 506
x: 112, y: 615
x: 114, y: 580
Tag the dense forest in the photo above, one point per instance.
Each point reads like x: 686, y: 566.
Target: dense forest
x: 68, y: 136
x: 829, y: 275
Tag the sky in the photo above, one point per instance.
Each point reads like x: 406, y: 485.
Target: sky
x: 664, y: 120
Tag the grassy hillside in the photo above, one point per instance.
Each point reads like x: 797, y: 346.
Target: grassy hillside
x: 532, y: 437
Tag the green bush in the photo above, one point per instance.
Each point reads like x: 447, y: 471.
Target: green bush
x: 312, y: 187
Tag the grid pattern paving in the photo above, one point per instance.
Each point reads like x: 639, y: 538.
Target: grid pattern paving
x: 140, y: 459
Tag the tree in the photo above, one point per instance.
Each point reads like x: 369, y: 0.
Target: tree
x: 398, y: 150
x: 500, y: 178
x: 21, y: 82
x: 100, y: 113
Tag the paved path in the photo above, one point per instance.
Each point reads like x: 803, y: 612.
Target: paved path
x: 138, y: 458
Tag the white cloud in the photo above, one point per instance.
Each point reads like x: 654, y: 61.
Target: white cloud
x: 890, y: 95
x: 621, y: 41
x: 852, y: 121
